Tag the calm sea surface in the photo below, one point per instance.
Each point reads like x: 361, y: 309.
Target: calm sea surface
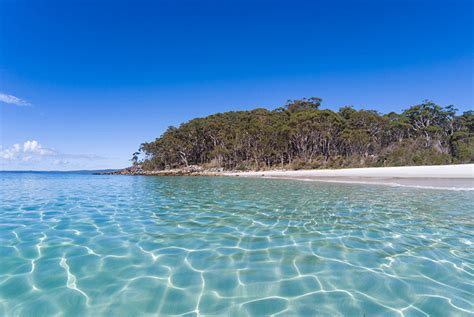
x: 86, y: 245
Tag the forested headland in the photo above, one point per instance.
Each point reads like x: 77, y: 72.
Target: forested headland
x: 301, y: 135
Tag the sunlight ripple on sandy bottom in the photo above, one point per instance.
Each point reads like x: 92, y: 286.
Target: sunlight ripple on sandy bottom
x: 84, y: 245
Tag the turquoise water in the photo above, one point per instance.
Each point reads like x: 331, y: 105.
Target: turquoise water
x: 86, y: 245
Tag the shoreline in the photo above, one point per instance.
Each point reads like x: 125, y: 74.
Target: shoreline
x: 452, y: 177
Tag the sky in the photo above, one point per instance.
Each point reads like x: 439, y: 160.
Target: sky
x: 84, y: 83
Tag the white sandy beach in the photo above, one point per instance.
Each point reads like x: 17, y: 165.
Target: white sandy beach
x: 437, y: 176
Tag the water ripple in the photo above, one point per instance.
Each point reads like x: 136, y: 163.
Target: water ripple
x: 83, y: 245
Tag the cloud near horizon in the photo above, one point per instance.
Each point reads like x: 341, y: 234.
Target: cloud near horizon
x: 33, y: 152
x: 13, y: 100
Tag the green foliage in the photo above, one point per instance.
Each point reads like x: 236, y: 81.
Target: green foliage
x: 410, y: 153
x: 134, y: 158
x: 300, y: 136
x: 303, y: 104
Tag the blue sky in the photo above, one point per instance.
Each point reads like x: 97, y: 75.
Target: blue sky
x: 83, y: 83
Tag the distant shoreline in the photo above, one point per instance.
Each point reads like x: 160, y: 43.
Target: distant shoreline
x: 103, y: 171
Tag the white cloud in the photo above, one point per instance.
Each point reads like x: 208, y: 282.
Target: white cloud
x: 61, y: 162
x: 10, y: 99
x: 26, y: 151
x: 35, y: 148
x: 11, y: 153
x: 33, y: 151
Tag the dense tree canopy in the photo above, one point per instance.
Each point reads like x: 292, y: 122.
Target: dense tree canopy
x: 301, y: 135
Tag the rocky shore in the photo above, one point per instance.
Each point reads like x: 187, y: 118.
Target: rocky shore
x: 192, y: 170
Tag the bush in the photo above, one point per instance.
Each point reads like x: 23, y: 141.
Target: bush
x: 463, y: 147
x: 412, y: 153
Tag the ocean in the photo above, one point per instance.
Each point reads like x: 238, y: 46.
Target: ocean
x: 78, y: 244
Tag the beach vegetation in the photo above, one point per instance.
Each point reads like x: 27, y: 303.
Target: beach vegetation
x: 301, y: 135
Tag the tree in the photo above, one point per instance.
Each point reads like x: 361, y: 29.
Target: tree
x: 134, y: 158
x: 303, y: 104
x: 428, y: 120
x: 300, y: 134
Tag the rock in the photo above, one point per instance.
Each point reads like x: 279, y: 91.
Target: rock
x: 192, y: 170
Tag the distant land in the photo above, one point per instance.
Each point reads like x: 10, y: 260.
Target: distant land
x: 301, y: 135
x: 74, y: 171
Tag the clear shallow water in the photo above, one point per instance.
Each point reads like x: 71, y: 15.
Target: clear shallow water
x: 85, y: 245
